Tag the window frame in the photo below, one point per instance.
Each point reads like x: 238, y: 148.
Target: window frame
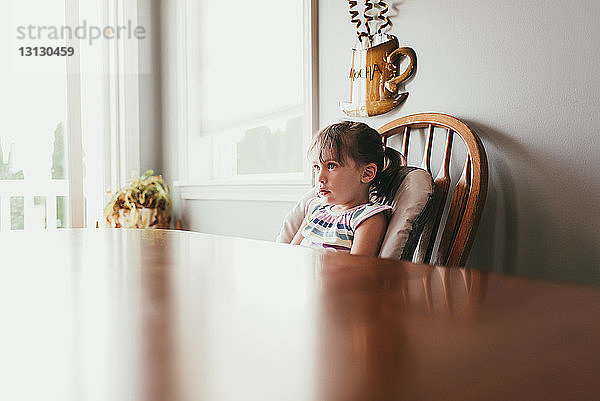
x: 74, y: 140
x: 121, y: 127
x: 271, y: 187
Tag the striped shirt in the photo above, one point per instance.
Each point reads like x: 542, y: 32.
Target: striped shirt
x: 326, y: 228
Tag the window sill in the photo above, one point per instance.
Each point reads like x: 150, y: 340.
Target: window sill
x: 275, y: 191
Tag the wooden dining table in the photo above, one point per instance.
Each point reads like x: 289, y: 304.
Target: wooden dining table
x: 114, y: 314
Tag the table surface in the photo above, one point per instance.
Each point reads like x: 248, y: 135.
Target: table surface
x: 173, y: 315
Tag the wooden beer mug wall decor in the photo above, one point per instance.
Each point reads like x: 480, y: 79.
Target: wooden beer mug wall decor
x: 375, y: 68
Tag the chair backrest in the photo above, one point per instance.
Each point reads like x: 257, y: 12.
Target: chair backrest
x: 455, y: 235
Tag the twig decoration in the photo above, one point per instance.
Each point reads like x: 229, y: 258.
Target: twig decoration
x: 355, y: 20
x: 382, y: 17
x: 368, y: 18
x: 383, y: 21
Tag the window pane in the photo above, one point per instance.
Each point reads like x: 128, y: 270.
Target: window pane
x: 59, y: 162
x: 267, y: 149
x: 251, y: 61
x: 8, y: 171
x: 61, y: 212
x: 248, y: 71
x: 39, y: 210
x: 17, y: 221
x: 32, y: 141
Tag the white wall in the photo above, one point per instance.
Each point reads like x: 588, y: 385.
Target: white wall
x: 526, y: 77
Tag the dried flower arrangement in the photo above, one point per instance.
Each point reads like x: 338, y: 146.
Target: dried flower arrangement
x: 144, y: 202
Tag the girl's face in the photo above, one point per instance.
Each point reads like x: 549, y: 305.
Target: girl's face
x: 342, y: 185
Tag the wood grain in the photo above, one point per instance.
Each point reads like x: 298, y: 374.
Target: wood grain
x: 155, y: 314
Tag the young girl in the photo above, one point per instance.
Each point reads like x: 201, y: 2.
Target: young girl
x: 357, y: 178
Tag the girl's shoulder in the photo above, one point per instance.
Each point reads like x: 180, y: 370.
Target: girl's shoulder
x: 369, y: 209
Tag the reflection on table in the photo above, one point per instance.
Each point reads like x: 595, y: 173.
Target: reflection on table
x: 155, y: 315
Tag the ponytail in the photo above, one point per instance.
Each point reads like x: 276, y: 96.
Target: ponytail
x: 389, y: 179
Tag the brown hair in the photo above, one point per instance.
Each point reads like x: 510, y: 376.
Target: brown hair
x: 362, y: 144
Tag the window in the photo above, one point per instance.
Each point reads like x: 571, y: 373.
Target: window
x: 34, y: 191
x: 70, y: 127
x: 246, y: 98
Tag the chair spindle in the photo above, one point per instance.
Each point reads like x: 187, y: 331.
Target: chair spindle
x: 405, y: 141
x: 426, y: 164
x: 455, y: 213
x: 441, y: 185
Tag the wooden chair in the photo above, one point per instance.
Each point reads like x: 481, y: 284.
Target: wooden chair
x: 455, y: 236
